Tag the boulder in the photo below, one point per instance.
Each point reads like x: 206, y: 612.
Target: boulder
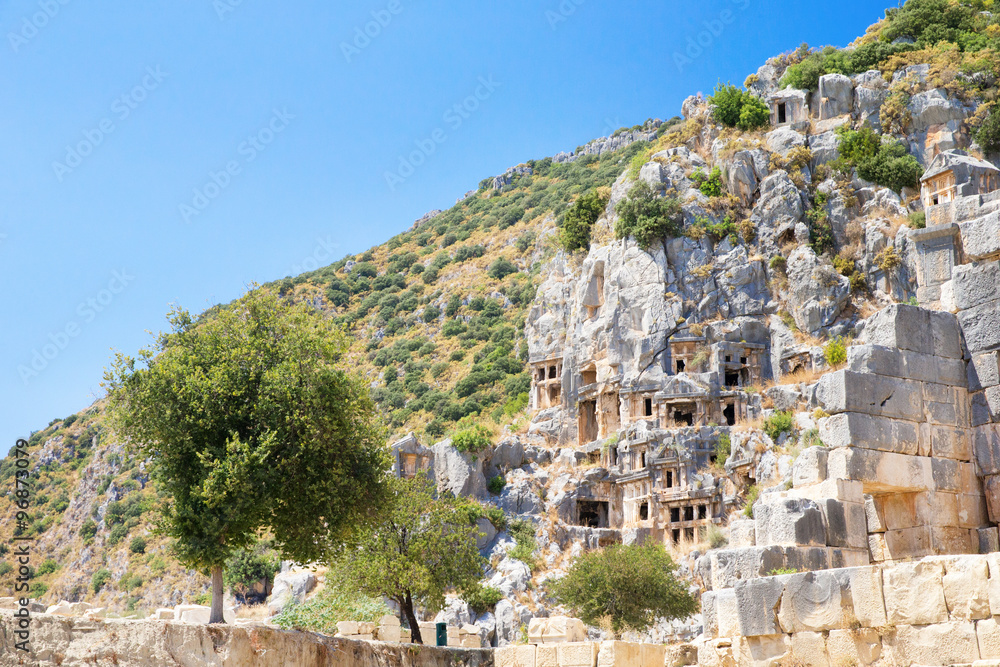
x: 289, y: 586
x: 460, y: 473
x: 914, y: 593
x: 819, y: 291
x: 789, y: 521
x: 784, y: 139
x: 836, y: 93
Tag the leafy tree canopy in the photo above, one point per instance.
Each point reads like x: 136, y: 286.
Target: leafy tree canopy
x: 627, y: 587
x: 251, y: 423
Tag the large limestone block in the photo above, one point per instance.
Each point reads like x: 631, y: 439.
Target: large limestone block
x: 986, y: 445
x: 908, y: 543
x: 742, y: 533
x: 966, y: 590
x: 940, y: 644
x: 732, y: 565
x: 854, y: 647
x: 758, y: 604
x: 514, y: 656
x: 727, y: 613
x: 847, y: 391
x: 763, y: 650
x: 867, y: 599
x: 873, y: 515
x: 577, y: 654
x: 981, y: 236
x: 556, y: 629
x: 948, y: 442
x: 856, y: 429
x: 912, y: 328
x: 953, y: 540
x: 846, y: 525
x: 617, y: 654
x: 164, y: 614
x: 709, y: 614
x: 288, y: 587
x: 836, y: 93
x: 881, y: 472
x: 809, y: 467
x: 816, y: 601
x: 789, y: 521
x: 984, y: 370
x: 882, y: 360
x: 809, y: 649
x: 458, y: 472
x: 975, y: 284
x: 653, y: 655
x: 914, y: 593
x: 988, y: 634
x: 981, y: 326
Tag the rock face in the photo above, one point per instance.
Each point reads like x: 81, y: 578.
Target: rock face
x: 72, y: 643
x: 288, y: 587
x: 458, y: 472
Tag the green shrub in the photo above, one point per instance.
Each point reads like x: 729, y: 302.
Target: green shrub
x: 482, y: 598
x: 131, y: 582
x: 527, y: 240
x: 5, y: 568
x: 248, y: 566
x: 751, y: 499
x: 835, y: 352
x: 778, y: 263
x: 646, y: 216
x: 738, y: 108
x: 496, y: 485
x: 137, y: 545
x: 778, y: 423
x: 117, y: 533
x: 471, y: 440
x: 630, y: 587
x: 501, y: 268
x: 579, y: 220
x: 710, y: 184
x: 714, y: 535
x: 918, y: 220
x: 338, y: 601
x: 88, y: 530
x: 523, y: 532
x: 100, y: 578
x: 47, y: 567
x: 885, y: 163
x: 988, y: 133
x: 723, y: 448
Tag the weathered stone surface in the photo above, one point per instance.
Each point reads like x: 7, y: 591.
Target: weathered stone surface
x: 873, y: 517
x: 988, y: 635
x: 809, y: 648
x: 914, y: 593
x: 757, y: 601
x: 810, y: 466
x: 882, y: 471
x: 151, y: 643
x: 984, y: 370
x: 856, y: 429
x: 727, y: 613
x: 912, y: 328
x: 845, y: 523
x: 857, y: 647
x: 883, y: 360
x: 742, y: 533
x: 555, y: 630
x: 816, y: 601
x: 789, y: 521
x: 941, y: 644
x: 515, y: 656
x: 966, y: 588
x: 289, y: 586
x: 458, y: 472
x: 867, y: 599
x: 818, y: 291
x: 836, y: 93
x: 981, y: 236
x: 847, y: 391
x: 975, y: 284
x: 981, y: 326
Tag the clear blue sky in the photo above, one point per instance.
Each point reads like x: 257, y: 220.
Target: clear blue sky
x: 114, y: 114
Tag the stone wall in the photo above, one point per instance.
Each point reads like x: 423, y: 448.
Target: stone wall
x: 72, y: 642
x: 941, y: 610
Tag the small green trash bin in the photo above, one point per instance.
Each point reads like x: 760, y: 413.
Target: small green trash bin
x: 442, y: 634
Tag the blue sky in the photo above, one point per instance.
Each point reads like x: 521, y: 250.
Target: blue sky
x: 164, y: 152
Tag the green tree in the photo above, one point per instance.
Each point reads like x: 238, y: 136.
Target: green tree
x: 739, y: 108
x: 646, y: 216
x: 252, y: 424
x: 988, y: 134
x: 629, y: 587
x: 422, y: 546
x: 579, y: 221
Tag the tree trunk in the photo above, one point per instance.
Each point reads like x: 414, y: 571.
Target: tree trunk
x: 411, y: 619
x: 217, y: 596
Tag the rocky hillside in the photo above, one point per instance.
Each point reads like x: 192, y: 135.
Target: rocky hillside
x: 660, y: 301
